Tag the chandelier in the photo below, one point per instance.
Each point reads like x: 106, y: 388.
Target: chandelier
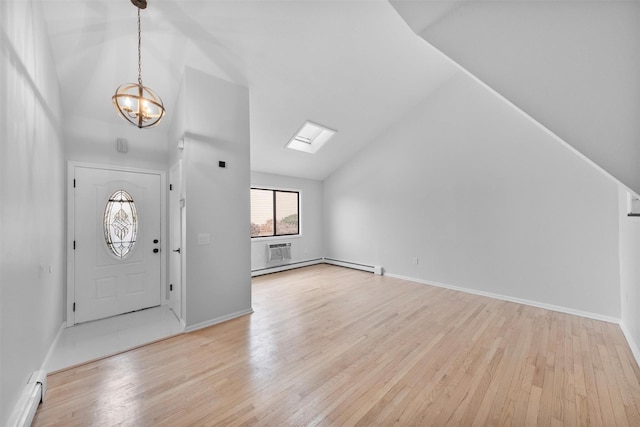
x: 136, y: 103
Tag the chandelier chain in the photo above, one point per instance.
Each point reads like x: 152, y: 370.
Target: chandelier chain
x: 139, y: 51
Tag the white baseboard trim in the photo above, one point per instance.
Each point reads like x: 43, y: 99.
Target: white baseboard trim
x: 217, y: 320
x: 632, y: 343
x: 45, y: 362
x: 285, y: 267
x: 537, y: 304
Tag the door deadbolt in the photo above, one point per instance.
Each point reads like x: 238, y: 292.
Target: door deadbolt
x: 156, y: 250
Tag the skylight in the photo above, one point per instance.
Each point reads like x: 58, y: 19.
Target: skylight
x: 310, y: 137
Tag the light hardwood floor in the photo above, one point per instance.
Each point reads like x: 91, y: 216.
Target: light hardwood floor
x: 328, y: 345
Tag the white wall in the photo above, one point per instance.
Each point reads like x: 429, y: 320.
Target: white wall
x: 485, y: 199
x: 629, y: 273
x: 218, y: 274
x: 572, y: 65
x: 32, y: 194
x: 94, y: 141
x: 307, y: 246
x: 178, y: 125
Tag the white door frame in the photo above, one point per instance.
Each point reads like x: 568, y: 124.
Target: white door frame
x: 178, y: 193
x: 71, y: 284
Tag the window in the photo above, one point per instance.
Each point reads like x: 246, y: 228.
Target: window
x: 120, y: 223
x: 310, y: 137
x: 274, y: 212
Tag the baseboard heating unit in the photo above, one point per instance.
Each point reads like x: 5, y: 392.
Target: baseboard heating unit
x: 31, y: 398
x: 375, y: 269
x: 284, y: 267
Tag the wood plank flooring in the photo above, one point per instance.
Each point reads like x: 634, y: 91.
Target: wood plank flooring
x: 332, y: 346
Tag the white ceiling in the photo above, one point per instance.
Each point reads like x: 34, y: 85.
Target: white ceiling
x: 353, y: 66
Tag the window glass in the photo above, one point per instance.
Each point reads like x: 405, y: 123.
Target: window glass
x: 286, y: 213
x: 274, y: 212
x: 261, y: 213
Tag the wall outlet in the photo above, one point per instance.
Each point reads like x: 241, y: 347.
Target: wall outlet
x: 414, y: 260
x: 203, y: 239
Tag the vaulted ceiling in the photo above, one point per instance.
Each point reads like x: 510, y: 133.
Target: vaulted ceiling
x: 354, y: 66
x: 571, y: 65
x: 357, y: 66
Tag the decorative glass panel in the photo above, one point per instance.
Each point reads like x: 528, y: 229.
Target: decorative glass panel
x: 120, y: 223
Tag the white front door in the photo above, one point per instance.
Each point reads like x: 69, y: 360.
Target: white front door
x: 175, y: 240
x: 117, y: 242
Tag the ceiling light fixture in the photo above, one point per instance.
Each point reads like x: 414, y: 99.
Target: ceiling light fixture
x: 136, y: 103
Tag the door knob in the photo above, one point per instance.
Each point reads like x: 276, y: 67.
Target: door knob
x: 177, y: 250
x: 156, y: 250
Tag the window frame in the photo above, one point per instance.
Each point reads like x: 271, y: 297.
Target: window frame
x: 273, y: 192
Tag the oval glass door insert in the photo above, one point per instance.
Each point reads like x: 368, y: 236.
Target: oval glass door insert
x: 120, y: 223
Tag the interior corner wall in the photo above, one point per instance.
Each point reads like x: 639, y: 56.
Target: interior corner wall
x: 483, y: 199
x: 571, y: 65
x: 630, y: 273
x: 32, y: 194
x: 218, y: 252
x: 308, y: 245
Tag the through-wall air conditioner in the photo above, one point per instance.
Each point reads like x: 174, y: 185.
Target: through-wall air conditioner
x: 278, y: 252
